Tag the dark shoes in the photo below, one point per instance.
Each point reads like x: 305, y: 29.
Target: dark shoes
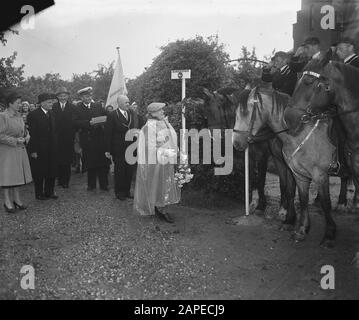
x: 163, y: 216
x: 9, y: 210
x: 20, y: 207
x: 123, y: 197
x: 41, y: 198
x: 105, y: 189
x: 91, y: 189
x: 53, y: 196
x: 16, y: 206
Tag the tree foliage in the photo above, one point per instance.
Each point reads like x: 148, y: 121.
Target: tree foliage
x: 205, y: 57
x: 10, y: 75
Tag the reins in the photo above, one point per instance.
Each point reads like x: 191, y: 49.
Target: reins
x: 251, y: 137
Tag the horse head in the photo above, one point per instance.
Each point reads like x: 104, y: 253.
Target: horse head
x: 313, y: 92
x: 220, y: 108
x: 248, y: 122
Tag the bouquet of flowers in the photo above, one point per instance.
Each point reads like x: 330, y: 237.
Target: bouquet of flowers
x: 183, y: 172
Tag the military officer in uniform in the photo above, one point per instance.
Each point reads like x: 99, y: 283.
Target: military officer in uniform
x: 92, y: 140
x: 345, y: 51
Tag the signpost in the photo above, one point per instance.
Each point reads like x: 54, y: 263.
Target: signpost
x: 182, y: 75
x: 246, y: 166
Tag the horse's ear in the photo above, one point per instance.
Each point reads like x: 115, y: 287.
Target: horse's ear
x: 207, y: 92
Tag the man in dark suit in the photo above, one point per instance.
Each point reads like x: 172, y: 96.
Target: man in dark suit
x: 64, y: 113
x: 92, y: 140
x: 345, y: 51
x: 117, y: 125
x: 43, y: 148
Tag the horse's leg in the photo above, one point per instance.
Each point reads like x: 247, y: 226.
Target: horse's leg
x: 290, y: 219
x: 302, y: 224
x: 262, y: 171
x: 330, y: 226
x: 355, y: 170
x: 276, y: 151
x: 342, y: 201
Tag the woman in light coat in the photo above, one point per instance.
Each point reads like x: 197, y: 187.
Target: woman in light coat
x: 14, y: 162
x: 156, y: 187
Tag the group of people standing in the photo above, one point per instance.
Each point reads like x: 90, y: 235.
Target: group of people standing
x: 43, y: 150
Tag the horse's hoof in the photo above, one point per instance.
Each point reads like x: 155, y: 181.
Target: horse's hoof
x: 282, y: 214
x: 327, y: 243
x: 286, y: 227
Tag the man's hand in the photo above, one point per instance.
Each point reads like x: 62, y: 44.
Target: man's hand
x: 108, y: 155
x: 92, y: 123
x: 299, y: 52
x: 33, y: 155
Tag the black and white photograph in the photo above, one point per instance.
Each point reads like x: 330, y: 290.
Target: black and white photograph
x: 189, y: 152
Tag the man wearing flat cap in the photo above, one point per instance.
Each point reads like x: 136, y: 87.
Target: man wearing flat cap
x: 117, y: 125
x: 42, y: 148
x: 64, y: 114
x: 345, y: 51
x: 92, y: 140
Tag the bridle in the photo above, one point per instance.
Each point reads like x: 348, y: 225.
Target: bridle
x: 310, y: 115
x: 252, y: 138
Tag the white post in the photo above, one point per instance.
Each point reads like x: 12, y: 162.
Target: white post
x: 183, y: 115
x: 246, y: 165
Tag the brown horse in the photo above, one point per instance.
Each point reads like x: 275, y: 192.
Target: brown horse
x: 307, y: 152
x: 220, y: 111
x: 331, y: 88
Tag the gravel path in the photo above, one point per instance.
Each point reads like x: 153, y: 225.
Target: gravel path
x: 92, y: 246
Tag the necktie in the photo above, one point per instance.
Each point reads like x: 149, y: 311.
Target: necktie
x: 126, y: 116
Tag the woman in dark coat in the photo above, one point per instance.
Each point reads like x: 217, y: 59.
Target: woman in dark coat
x: 14, y: 163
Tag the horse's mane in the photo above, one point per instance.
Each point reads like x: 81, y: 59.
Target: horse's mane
x: 350, y: 75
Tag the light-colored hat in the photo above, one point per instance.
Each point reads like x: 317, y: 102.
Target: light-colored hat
x: 155, y: 106
x: 86, y: 90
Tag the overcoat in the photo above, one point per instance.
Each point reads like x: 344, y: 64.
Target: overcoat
x: 43, y: 141
x: 65, y: 131
x: 92, y: 138
x: 14, y: 162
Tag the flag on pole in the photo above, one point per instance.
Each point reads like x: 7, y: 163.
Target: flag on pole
x: 118, y: 85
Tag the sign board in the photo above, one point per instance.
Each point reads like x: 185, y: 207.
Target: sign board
x: 181, y: 74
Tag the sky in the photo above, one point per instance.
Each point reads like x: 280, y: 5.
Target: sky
x: 75, y: 36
